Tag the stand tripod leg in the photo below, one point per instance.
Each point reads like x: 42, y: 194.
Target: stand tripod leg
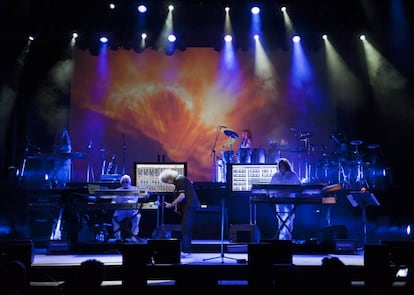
x: 364, y: 224
x: 222, y: 256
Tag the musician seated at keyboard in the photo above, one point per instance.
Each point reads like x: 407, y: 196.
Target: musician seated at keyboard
x: 285, y: 218
x: 121, y: 215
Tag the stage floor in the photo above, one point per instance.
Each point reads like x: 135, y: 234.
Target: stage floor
x: 232, y: 254
x: 225, y: 269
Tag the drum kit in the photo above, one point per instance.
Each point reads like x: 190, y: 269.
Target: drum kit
x: 347, y: 168
x: 350, y: 169
x: 244, y: 155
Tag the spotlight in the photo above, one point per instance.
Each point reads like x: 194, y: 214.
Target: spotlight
x: 296, y: 39
x: 325, y: 37
x: 362, y: 37
x: 142, y: 8
x: 172, y: 38
x: 228, y: 38
x: 103, y: 39
x: 255, y: 10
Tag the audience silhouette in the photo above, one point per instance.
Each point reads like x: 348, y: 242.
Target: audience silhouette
x: 14, y: 279
x: 87, y: 280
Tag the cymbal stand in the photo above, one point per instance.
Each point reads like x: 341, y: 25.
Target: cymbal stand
x: 23, y: 168
x: 90, y: 176
x: 307, y: 158
x: 231, y: 149
x: 373, y: 174
x: 360, y: 179
x: 342, y: 177
x: 103, y: 161
x: 222, y: 256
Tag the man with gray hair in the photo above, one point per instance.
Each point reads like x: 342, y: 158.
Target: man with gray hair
x: 185, y: 203
x: 120, y: 216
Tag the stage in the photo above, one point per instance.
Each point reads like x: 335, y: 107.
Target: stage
x: 225, y: 270
x: 213, y: 264
x: 241, y: 269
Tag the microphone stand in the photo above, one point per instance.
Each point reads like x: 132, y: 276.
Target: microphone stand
x: 222, y: 256
x: 213, y: 155
x: 123, y: 154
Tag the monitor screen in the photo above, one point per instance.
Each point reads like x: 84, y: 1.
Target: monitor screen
x: 147, y: 175
x: 241, y: 177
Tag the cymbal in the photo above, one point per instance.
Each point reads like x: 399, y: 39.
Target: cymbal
x: 373, y: 146
x: 357, y: 142
x: 306, y: 135
x: 231, y: 134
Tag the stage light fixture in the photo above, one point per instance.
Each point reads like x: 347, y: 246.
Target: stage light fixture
x: 296, y: 39
x: 172, y: 38
x: 228, y: 38
x: 362, y: 37
x: 142, y: 8
x: 255, y: 10
x: 325, y: 37
x: 103, y: 39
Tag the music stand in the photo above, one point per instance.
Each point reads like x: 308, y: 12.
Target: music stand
x: 363, y: 200
x: 222, y: 256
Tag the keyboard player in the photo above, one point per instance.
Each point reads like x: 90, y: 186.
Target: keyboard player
x: 131, y: 214
x: 284, y: 213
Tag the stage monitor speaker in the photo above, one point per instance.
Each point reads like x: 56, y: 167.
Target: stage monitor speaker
x: 244, y: 233
x: 400, y: 253
x: 279, y: 251
x: 135, y: 259
x: 376, y: 258
x: 262, y: 257
x: 22, y: 250
x: 165, y: 251
x: 328, y: 236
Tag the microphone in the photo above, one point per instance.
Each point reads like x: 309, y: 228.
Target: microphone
x: 221, y: 126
